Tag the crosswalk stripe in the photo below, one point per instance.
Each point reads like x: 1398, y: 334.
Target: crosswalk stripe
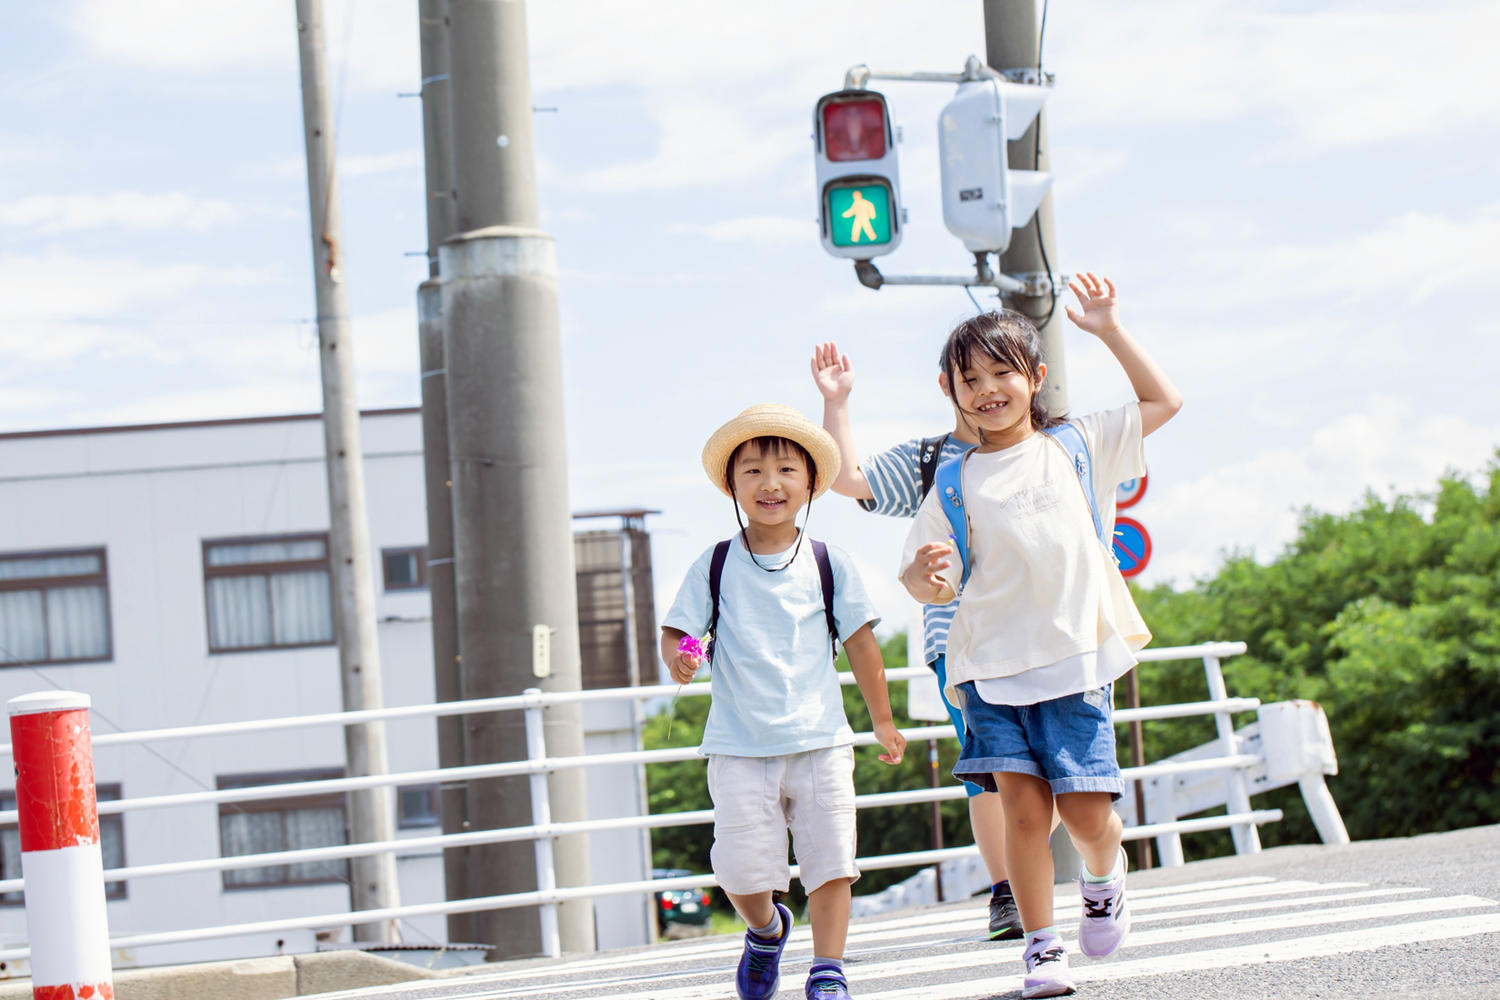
x: 887, y: 949
x: 1009, y: 956
x: 872, y: 931
x: 1289, y: 950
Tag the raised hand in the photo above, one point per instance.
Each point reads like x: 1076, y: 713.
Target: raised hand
x: 1101, y: 307
x: 831, y: 372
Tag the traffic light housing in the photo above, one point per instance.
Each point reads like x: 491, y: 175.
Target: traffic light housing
x: 984, y: 200
x: 859, y: 188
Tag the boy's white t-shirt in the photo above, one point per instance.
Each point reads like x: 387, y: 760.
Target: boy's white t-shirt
x: 775, y: 688
x: 1046, y: 612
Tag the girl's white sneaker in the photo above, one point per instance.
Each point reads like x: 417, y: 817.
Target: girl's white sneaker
x: 1106, y: 920
x: 1046, y: 968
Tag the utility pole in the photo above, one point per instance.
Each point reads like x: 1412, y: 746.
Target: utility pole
x: 371, y: 812
x: 512, y: 530
x: 437, y: 145
x: 1012, y: 40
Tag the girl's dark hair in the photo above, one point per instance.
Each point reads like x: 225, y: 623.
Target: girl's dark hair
x: 773, y: 445
x: 1005, y: 336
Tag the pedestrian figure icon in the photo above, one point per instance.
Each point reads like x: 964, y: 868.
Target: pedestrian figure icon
x: 867, y: 207
x: 862, y: 211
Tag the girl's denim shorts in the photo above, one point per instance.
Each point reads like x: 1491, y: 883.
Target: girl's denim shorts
x: 1067, y: 742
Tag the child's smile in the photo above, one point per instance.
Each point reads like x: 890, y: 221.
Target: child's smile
x: 997, y: 397
x: 771, y: 488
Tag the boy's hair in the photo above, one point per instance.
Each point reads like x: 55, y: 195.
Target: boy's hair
x: 1005, y: 336
x: 772, y: 444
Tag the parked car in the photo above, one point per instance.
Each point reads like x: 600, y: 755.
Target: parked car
x: 681, y: 911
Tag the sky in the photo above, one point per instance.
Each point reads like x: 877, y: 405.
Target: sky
x: 1297, y: 201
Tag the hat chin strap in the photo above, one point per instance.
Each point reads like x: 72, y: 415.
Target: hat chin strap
x: 745, y: 531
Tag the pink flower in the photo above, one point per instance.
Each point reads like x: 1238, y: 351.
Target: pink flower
x: 689, y: 646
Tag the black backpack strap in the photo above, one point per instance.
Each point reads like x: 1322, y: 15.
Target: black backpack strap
x: 928, y: 454
x: 825, y: 579
x: 715, y: 576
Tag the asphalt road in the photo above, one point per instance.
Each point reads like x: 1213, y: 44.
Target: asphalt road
x: 1380, y: 920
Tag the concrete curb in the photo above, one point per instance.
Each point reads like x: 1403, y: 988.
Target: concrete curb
x: 276, y: 978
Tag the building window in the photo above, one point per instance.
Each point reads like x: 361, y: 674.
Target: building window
x: 54, y: 607
x: 288, y: 824
x: 111, y: 844
x: 266, y: 593
x: 405, y: 568
x: 417, y: 806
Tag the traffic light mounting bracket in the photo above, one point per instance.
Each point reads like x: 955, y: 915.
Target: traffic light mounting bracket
x: 1031, y: 284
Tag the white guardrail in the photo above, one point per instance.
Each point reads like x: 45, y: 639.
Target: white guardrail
x: 1224, y: 764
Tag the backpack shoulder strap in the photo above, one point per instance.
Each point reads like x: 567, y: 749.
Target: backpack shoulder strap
x: 949, y: 483
x: 1077, y: 446
x: 928, y: 454
x: 825, y: 580
x: 715, y: 576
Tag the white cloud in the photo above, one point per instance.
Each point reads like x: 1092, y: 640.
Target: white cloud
x: 699, y: 144
x: 1404, y: 259
x: 127, y: 210
x: 257, y: 398
x: 1340, y: 76
x: 1254, y: 504
x: 58, y: 285
x: 751, y: 229
x: 371, y: 44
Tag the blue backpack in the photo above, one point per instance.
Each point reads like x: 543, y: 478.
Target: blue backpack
x: 950, y: 486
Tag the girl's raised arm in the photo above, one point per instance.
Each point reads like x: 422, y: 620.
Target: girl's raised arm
x: 1159, y: 398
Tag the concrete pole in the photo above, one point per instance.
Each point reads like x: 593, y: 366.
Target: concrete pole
x: 512, y: 531
x: 437, y: 144
x: 372, y: 813
x: 1012, y: 40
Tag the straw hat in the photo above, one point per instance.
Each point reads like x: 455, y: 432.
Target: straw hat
x: 771, y: 420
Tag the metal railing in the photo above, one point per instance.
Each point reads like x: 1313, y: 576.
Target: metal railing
x: 1231, y: 762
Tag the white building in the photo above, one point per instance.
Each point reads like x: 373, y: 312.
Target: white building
x: 178, y: 574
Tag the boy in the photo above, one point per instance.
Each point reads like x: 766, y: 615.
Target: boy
x: 892, y: 482
x: 779, y: 748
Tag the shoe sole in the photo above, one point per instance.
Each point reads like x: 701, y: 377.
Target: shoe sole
x: 1011, y: 933
x: 1049, y: 990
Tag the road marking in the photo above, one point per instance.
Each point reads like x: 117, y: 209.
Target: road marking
x: 1289, y: 950
x: 699, y: 970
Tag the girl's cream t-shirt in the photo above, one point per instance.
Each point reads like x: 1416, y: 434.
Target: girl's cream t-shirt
x: 1046, y: 612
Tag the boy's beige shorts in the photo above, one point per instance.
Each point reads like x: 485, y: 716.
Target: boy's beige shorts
x: 758, y: 799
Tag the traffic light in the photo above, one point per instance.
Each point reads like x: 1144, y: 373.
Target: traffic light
x: 983, y: 199
x: 859, y: 192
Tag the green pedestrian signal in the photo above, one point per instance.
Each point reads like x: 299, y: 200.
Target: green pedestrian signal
x: 859, y: 214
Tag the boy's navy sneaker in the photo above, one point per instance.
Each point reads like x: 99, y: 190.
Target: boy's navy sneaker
x: 1047, y: 972
x: 826, y: 984
x: 1005, y: 922
x: 1106, y: 920
x: 760, y: 964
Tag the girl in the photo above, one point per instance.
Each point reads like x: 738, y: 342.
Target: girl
x: 1046, y: 623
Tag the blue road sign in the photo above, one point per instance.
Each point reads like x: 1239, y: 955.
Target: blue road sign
x: 1132, y: 546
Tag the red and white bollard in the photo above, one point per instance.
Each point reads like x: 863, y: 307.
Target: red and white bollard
x: 60, y: 857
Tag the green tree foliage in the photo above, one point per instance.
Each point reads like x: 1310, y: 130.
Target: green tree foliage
x: 1389, y: 616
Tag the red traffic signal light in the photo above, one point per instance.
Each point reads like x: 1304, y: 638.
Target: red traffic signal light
x: 854, y: 129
